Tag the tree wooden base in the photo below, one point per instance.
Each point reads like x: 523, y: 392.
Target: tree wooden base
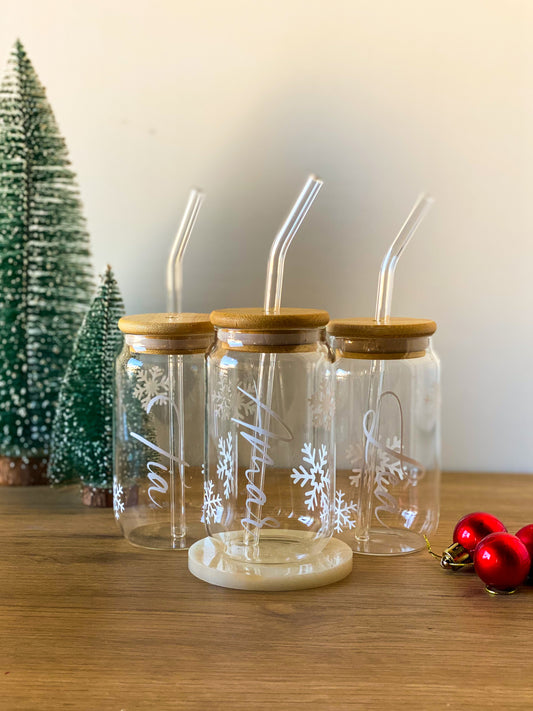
x: 103, y: 498
x: 14, y: 471
x: 99, y: 498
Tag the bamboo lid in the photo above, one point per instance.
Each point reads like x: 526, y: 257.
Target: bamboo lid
x: 256, y: 319
x: 167, y: 326
x: 369, y: 328
x: 400, y: 338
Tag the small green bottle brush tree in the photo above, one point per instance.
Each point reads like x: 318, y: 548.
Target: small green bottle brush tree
x: 82, y: 434
x: 45, y: 271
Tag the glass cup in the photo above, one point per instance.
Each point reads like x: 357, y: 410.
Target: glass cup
x: 159, y: 429
x: 387, y: 434
x: 270, y: 449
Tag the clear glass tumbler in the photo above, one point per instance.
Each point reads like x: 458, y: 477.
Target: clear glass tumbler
x: 159, y: 429
x: 387, y: 434
x: 270, y: 456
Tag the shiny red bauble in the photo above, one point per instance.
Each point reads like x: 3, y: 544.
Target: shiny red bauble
x: 502, y: 561
x: 526, y: 536
x: 472, y: 528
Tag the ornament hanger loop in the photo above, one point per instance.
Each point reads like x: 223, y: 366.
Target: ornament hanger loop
x: 430, y: 551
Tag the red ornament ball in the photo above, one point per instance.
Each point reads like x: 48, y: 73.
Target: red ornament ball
x: 472, y: 528
x: 526, y: 536
x: 501, y: 560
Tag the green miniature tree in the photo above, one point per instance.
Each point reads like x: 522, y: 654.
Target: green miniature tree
x: 82, y: 435
x: 45, y: 272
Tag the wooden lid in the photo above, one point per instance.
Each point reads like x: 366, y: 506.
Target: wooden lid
x: 369, y: 328
x: 256, y: 319
x: 166, y: 325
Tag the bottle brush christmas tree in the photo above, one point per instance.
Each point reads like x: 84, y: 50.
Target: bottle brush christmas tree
x: 82, y: 435
x: 45, y: 272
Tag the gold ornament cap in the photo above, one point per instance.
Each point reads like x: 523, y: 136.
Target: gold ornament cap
x: 455, y: 557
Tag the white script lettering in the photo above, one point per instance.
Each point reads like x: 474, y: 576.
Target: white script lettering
x: 260, y: 439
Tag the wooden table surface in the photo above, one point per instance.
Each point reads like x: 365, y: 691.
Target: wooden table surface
x: 89, y: 622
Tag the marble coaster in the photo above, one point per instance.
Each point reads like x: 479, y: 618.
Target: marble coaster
x: 207, y: 562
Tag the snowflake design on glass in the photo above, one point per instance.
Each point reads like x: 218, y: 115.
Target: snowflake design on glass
x: 245, y: 406
x: 118, y: 499
x: 151, y: 382
x: 342, y: 513
x: 225, y: 463
x: 322, y: 405
x: 212, y: 508
x: 390, y: 470
x: 315, y: 478
x: 221, y: 400
x: 230, y: 402
x: 355, y: 457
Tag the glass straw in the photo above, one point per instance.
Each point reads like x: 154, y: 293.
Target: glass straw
x: 175, y: 258
x: 282, y: 242
x: 383, y: 312
x: 267, y: 363
x: 390, y: 261
x: 178, y: 524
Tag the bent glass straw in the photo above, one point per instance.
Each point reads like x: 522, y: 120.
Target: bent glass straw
x: 175, y: 258
x: 272, y: 304
x: 390, y: 260
x: 282, y: 242
x: 383, y: 313
x: 178, y: 524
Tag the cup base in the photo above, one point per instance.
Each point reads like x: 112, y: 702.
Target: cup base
x: 388, y: 542
x: 156, y: 536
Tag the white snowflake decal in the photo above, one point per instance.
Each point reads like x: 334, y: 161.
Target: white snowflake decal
x: 322, y: 405
x: 225, y: 463
x: 150, y: 383
x: 118, y: 499
x: 245, y: 406
x: 227, y: 401
x: 316, y: 477
x: 342, y: 513
x: 221, y: 401
x: 390, y: 470
x: 355, y: 457
x: 389, y: 473
x: 212, y: 508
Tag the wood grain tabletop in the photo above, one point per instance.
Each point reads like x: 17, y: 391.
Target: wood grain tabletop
x: 89, y: 622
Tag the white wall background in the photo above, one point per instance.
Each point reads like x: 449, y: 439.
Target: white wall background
x: 381, y: 98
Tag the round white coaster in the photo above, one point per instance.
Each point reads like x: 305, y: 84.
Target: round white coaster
x: 207, y: 562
